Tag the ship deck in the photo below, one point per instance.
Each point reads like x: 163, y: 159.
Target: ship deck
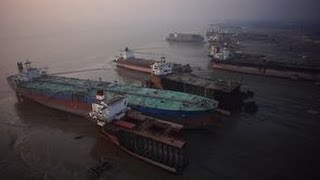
x: 159, y: 130
x: 138, y: 96
x: 216, y: 85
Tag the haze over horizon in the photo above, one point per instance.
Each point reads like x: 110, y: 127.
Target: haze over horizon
x: 33, y: 15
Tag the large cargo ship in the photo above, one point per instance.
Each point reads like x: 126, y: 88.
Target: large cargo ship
x: 185, y: 38
x: 128, y: 60
x: 250, y: 64
x: 76, y: 96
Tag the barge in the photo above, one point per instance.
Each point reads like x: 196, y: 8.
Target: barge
x: 77, y: 95
x: 152, y: 140
x: 229, y: 94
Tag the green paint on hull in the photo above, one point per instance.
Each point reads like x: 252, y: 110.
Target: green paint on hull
x: 63, y: 87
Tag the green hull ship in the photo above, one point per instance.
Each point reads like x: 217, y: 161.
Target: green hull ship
x: 77, y: 95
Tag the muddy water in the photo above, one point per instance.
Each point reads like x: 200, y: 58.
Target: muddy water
x: 280, y: 141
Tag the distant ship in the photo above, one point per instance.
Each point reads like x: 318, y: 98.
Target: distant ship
x: 76, y: 96
x: 183, y: 37
x: 253, y: 64
x: 128, y: 60
x: 224, y: 54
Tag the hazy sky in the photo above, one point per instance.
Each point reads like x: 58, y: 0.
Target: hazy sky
x: 15, y: 14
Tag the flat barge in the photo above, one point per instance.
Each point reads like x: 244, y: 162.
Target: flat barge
x: 229, y: 94
x: 152, y: 140
x: 155, y: 141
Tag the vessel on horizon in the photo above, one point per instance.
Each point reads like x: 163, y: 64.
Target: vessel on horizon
x: 184, y: 38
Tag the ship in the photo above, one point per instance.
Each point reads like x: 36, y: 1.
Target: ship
x: 185, y: 38
x: 259, y: 65
x: 152, y: 140
x: 76, y: 96
x: 128, y: 60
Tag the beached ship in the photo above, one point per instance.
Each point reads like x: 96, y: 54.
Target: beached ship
x: 258, y: 65
x: 77, y: 95
x: 185, y: 38
x: 153, y: 140
x: 128, y: 60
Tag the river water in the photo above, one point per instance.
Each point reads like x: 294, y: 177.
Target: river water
x: 280, y: 141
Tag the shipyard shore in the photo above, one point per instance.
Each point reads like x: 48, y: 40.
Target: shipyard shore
x: 279, y: 142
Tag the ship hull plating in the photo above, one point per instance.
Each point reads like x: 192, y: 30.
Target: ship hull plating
x: 134, y: 68
x: 273, y: 72
x: 190, y: 119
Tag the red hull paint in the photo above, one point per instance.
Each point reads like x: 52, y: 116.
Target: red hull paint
x: 267, y: 72
x: 136, y: 68
x: 77, y: 108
